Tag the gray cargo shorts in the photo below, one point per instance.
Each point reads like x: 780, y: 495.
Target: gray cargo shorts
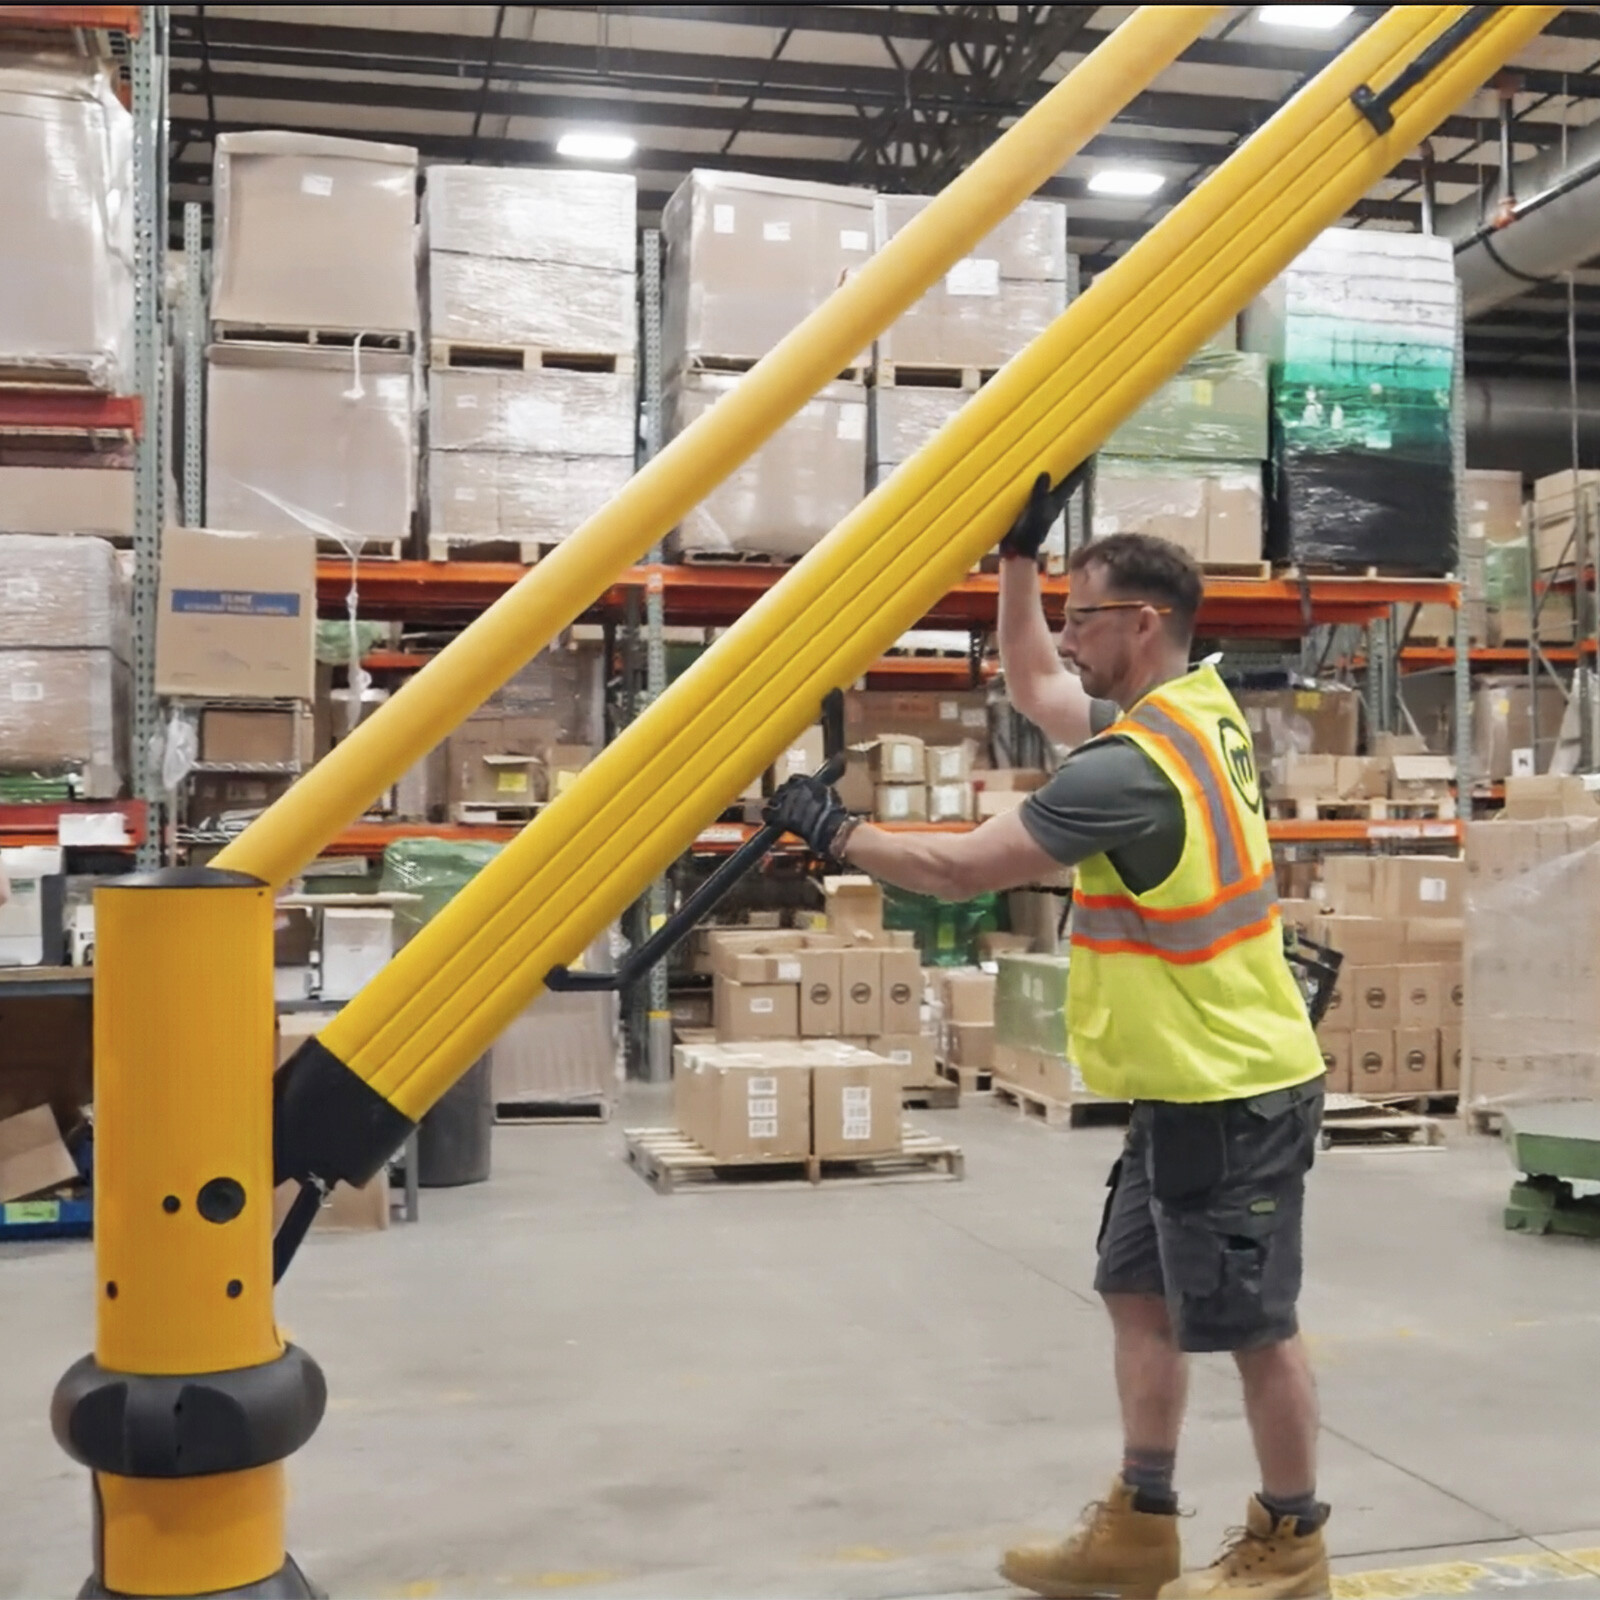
x: 1205, y: 1209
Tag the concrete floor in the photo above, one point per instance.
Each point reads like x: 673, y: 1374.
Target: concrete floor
x: 562, y: 1379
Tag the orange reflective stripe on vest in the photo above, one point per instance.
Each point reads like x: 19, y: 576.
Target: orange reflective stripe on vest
x: 1109, y: 924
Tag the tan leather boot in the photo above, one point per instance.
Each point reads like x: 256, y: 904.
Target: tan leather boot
x: 1263, y: 1560
x: 1117, y: 1553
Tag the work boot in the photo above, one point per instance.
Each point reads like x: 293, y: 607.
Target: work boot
x: 1118, y: 1553
x: 1264, y: 1560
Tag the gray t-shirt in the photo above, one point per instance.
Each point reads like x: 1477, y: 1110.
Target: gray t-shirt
x: 1109, y: 798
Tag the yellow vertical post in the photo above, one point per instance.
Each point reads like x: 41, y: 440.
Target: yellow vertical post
x: 191, y: 1400
x: 661, y: 493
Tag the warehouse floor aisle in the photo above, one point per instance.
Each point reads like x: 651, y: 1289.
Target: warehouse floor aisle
x: 565, y: 1380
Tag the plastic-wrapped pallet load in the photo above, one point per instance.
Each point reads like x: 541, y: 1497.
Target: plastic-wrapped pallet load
x: 1215, y: 409
x: 66, y: 189
x: 319, y: 441
x: 315, y: 233
x: 1212, y: 509
x: 808, y: 477
x: 64, y: 650
x: 993, y: 302
x: 538, y: 412
x: 747, y: 258
x: 482, y: 497
x: 1361, y: 334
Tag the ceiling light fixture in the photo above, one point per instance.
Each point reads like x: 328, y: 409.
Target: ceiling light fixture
x: 1309, y: 19
x: 589, y: 144
x: 1127, y: 183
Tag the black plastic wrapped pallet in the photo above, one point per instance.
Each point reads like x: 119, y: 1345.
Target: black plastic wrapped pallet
x: 1361, y: 509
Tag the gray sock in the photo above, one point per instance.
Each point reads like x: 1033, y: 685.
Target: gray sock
x: 1149, y: 1474
x: 1308, y: 1512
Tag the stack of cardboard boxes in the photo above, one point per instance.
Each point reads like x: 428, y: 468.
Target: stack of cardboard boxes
x: 1532, y: 933
x: 747, y: 259
x: 1394, y: 1027
x: 815, y: 1036
x: 965, y: 1009
x: 1030, y: 1029
x: 235, y: 637
x: 532, y: 326
x: 311, y: 402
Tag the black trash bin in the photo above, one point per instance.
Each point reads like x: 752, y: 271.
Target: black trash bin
x: 453, y: 1138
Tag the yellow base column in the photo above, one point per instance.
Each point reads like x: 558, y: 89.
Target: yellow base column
x: 191, y: 1400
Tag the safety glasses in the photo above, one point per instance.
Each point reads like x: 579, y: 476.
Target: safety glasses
x: 1078, y: 615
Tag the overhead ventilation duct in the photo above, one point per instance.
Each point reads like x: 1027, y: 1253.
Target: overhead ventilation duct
x: 1549, y: 222
x: 1522, y: 424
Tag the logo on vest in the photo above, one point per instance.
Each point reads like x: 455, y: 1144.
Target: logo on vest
x: 1238, y: 755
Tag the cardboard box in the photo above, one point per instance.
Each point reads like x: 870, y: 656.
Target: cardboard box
x: 861, y: 1011
x: 356, y: 946
x: 1450, y: 1059
x: 897, y: 758
x: 578, y: 218
x: 1423, y: 886
x: 1504, y: 728
x: 821, y: 994
x: 855, y: 1108
x: 546, y: 305
x: 274, y: 737
x: 1367, y: 941
x: 951, y: 763
x: 296, y: 444
x: 855, y: 788
x: 1493, y: 509
x: 803, y: 757
x: 912, y: 1053
x: 1018, y: 780
x: 237, y: 615
x: 940, y: 717
x: 747, y: 954
x: 1421, y: 1000
x: 1301, y: 720
x: 563, y: 1047
x: 479, y: 496
x: 900, y: 802
x: 226, y: 801
x: 968, y: 995
x: 744, y: 1104
x: 540, y: 411
x: 1335, y: 1048
x: 1375, y: 995
x: 1340, y: 1013
x: 855, y: 908
x: 66, y: 711
x: 989, y: 803
x: 900, y: 985
x: 78, y: 500
x: 950, y: 802
x: 756, y: 1010
x: 315, y: 232
x: 1452, y: 994
x: 1416, y: 1060
x: 346, y: 1210
x: 1372, y: 1066
x: 970, y: 1044
x: 33, y: 1158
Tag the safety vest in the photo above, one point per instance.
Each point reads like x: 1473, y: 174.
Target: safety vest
x: 1183, y: 992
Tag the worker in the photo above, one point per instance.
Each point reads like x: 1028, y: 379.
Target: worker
x: 1180, y: 1000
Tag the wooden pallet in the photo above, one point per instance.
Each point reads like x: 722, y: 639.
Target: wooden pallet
x: 1348, y: 1121
x: 668, y: 1160
x: 365, y: 549
x: 552, y: 1112
x: 449, y: 547
x: 734, y: 558
x: 48, y: 379
x: 312, y: 338
x: 940, y: 1096
x: 968, y: 1080
x: 1237, y: 569
x: 1487, y: 1120
x: 930, y: 375
x: 1336, y: 808
x: 475, y: 812
x: 1031, y: 1105
x: 732, y: 366
x: 461, y: 356
x: 1293, y: 571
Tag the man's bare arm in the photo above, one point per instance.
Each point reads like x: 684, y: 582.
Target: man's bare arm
x: 1001, y: 854
x: 1039, y: 685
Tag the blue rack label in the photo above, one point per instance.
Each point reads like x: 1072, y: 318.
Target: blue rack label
x: 236, y: 602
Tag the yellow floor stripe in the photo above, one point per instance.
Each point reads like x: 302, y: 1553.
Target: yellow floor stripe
x: 1495, y: 1574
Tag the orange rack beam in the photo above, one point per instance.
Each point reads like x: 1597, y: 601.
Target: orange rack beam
x: 1510, y: 655
x: 716, y: 596
x: 110, y: 19
x: 64, y: 410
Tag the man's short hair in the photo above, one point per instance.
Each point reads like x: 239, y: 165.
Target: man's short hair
x: 1139, y: 566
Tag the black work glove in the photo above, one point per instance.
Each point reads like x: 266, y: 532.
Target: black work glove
x: 1025, y: 537
x: 809, y: 809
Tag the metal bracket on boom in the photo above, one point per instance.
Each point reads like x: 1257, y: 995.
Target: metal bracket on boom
x: 661, y: 943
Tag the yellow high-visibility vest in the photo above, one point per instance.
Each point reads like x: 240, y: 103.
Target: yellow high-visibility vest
x: 1183, y: 992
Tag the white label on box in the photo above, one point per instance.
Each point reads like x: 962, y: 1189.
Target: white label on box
x: 902, y: 758
x: 974, y: 276
x: 27, y: 691
x: 948, y: 797
x: 857, y: 1100
x: 763, y: 1108
x: 949, y: 711
x: 776, y: 232
x: 857, y: 1128
x: 394, y: 389
x: 852, y: 238
x: 788, y: 972
x: 767, y: 1128
x: 1433, y: 891
x: 901, y: 1058
x: 852, y: 424
x: 948, y: 762
x: 317, y: 183
x: 761, y: 1005
x: 899, y: 804
x: 722, y: 219
x: 975, y: 717
x: 762, y: 1086
x: 1521, y: 763
x: 92, y: 828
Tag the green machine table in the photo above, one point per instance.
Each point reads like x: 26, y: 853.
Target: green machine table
x: 1554, y: 1145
